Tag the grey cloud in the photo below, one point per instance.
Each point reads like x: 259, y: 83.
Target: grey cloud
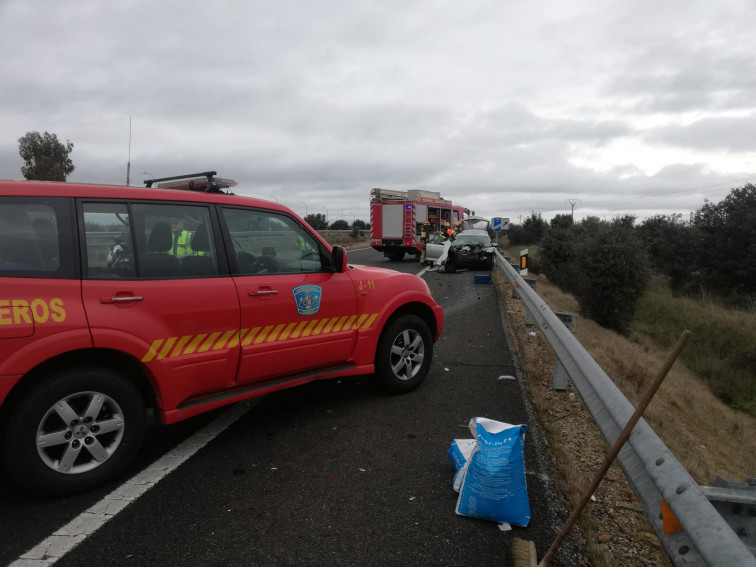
x: 320, y: 102
x: 730, y: 134
x: 674, y: 79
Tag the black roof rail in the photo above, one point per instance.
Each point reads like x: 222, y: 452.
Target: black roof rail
x: 193, y: 182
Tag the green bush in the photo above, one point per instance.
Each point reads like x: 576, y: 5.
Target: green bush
x: 602, y: 264
x: 714, y: 254
x: 613, y: 277
x: 729, y: 231
x: 532, y: 231
x: 559, y: 257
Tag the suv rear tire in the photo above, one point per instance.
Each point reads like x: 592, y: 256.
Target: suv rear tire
x: 404, y: 354
x: 77, y: 429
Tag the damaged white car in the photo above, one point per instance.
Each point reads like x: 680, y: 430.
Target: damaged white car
x: 471, y: 248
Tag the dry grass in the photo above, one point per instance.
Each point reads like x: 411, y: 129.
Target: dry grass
x: 707, y: 437
x: 722, y: 349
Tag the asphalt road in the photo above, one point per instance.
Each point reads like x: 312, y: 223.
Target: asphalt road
x: 331, y: 473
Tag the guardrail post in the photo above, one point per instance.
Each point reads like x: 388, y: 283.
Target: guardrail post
x: 528, y: 316
x: 512, y: 281
x: 561, y: 378
x: 736, y: 502
x: 530, y: 281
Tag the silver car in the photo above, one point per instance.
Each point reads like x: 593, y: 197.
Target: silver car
x: 471, y: 248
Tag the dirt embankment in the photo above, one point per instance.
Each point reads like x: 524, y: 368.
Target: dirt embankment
x: 706, y: 436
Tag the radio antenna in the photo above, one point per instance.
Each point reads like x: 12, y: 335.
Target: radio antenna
x: 128, y: 162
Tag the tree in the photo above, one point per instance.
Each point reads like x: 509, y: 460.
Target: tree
x: 675, y: 250
x: 729, y: 233
x: 531, y: 231
x: 562, y: 221
x: 340, y: 224
x: 559, y: 257
x: 45, y: 158
x: 317, y: 221
x: 613, y: 277
x: 602, y: 264
x: 360, y: 224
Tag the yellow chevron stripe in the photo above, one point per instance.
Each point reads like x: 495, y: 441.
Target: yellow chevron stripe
x: 219, y: 340
x: 166, y: 348
x: 298, y: 330
x: 180, y: 345
x: 223, y: 340
x: 152, y: 350
x: 309, y: 328
x: 234, y: 342
x: 208, y: 342
x: 263, y: 335
x: 320, y: 326
x: 330, y: 325
x: 287, y: 331
x: 195, y: 342
x: 370, y: 321
x: 274, y: 335
x: 251, y: 335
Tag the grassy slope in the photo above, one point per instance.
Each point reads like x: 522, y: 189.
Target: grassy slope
x: 722, y: 350
x: 706, y: 435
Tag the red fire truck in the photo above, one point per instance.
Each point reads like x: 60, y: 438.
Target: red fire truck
x: 396, y: 218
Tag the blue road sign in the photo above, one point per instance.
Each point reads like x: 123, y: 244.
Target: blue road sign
x: 496, y: 224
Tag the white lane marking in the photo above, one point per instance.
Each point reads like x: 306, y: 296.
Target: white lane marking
x: 421, y: 272
x: 77, y: 530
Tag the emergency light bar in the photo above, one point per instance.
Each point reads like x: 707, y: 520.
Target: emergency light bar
x: 205, y: 181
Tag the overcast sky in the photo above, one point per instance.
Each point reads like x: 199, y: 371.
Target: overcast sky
x: 630, y: 106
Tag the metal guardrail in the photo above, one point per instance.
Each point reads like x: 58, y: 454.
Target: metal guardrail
x: 650, y: 467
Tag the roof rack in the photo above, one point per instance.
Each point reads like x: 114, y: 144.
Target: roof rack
x: 204, y: 181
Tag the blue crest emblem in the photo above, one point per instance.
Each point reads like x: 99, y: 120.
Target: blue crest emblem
x: 307, y: 298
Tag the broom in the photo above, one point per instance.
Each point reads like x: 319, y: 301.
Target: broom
x: 522, y: 552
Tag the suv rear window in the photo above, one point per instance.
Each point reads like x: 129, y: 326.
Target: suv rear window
x: 36, y: 238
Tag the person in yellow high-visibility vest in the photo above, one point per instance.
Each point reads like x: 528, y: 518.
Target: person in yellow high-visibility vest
x: 424, y: 240
x: 181, y: 240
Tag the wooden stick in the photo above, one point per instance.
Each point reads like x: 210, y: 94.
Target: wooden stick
x: 628, y: 429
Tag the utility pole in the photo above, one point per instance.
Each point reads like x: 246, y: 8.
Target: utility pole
x: 573, y: 202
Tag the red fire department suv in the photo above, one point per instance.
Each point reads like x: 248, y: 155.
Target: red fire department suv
x: 118, y: 299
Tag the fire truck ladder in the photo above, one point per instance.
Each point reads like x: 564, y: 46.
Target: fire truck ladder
x: 409, y: 225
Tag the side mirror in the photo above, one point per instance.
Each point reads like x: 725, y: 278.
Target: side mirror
x: 338, y: 260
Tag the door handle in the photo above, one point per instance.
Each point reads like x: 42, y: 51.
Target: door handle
x: 264, y: 292
x: 121, y: 299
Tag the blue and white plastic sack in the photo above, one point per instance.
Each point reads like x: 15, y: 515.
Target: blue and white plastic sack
x: 490, y: 472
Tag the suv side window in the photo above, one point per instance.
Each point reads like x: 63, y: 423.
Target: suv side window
x: 36, y: 238
x: 109, y: 246
x: 267, y: 242
x: 149, y: 241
